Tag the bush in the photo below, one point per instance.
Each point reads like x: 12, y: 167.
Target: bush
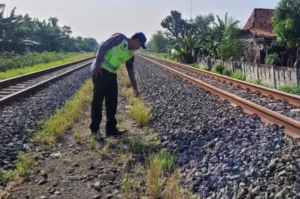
x: 272, y: 58
x: 227, y: 72
x: 12, y: 60
x: 238, y: 75
x: 194, y: 65
x: 258, y: 82
x: 290, y: 89
x: 204, y: 68
x: 218, y: 68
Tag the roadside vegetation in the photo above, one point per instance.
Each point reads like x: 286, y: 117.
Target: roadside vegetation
x: 19, y: 65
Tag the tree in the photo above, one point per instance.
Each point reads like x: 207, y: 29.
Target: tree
x: 230, y: 46
x: 16, y: 28
x: 286, y: 22
x: 158, y: 42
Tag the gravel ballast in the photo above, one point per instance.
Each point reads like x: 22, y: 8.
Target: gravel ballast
x: 19, y: 118
x: 277, y: 105
x: 224, y: 153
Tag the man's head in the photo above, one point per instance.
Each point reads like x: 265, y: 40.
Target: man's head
x: 137, y: 40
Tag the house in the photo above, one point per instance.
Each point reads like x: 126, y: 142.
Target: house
x: 258, y: 35
x: 30, y: 45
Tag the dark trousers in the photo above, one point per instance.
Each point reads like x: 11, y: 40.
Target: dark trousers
x: 105, y: 86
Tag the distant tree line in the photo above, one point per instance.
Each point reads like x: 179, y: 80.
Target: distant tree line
x: 16, y: 30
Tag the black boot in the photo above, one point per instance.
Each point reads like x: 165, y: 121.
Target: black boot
x: 115, y: 133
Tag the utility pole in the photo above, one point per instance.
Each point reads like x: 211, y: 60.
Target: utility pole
x: 191, y: 9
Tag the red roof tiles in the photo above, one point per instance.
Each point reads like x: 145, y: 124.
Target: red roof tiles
x: 259, y: 23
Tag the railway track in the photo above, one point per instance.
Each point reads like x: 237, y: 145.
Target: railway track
x: 13, y: 88
x: 252, y: 98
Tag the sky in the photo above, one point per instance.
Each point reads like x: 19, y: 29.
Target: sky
x: 101, y: 18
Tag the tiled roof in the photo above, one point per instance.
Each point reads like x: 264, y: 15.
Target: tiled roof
x: 259, y: 22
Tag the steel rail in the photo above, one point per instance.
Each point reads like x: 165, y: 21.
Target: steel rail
x: 292, y: 99
x: 291, y: 126
x: 11, y: 97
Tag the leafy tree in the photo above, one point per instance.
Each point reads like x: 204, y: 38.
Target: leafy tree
x: 229, y: 45
x: 17, y: 28
x: 158, y: 42
x: 286, y: 22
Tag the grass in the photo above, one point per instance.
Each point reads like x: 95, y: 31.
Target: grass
x: 25, y: 163
x: 127, y: 81
x: 290, y: 89
x: 141, y: 113
x: 173, y: 190
x: 78, y: 137
x: 52, y: 129
x: 167, y: 160
x: 129, y: 184
x: 105, y: 150
x: 155, y: 178
x: 257, y: 82
x: 160, y: 165
x: 161, y: 180
x: 64, y: 118
x: 144, y: 144
x: 29, y: 69
x: 92, y: 142
x: 238, y: 75
x: 138, y: 109
x: 194, y: 65
x: 64, y: 159
x: 204, y: 68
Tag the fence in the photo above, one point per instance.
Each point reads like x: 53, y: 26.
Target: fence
x: 273, y: 76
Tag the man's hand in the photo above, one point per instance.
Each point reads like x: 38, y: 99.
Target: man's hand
x: 97, y: 71
x: 137, y: 94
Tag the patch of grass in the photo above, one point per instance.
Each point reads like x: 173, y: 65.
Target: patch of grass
x: 173, y: 189
x: 64, y: 159
x: 41, y: 66
x: 238, y: 75
x: 127, y: 93
x: 105, y: 150
x: 155, y: 180
x: 204, y: 68
x: 290, y: 89
x: 194, y: 65
x: 64, y: 118
x: 258, y: 82
x: 141, y: 113
x: 142, y: 144
x: 129, y: 184
x: 127, y: 81
x: 126, y: 186
x: 25, y: 163
x: 78, y: 137
x: 92, y: 142
x: 167, y: 160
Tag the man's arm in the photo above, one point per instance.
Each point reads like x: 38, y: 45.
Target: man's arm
x: 114, y: 40
x: 130, y: 70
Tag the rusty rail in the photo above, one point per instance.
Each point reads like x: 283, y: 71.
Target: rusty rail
x: 292, y: 99
x: 20, y: 79
x: 291, y: 126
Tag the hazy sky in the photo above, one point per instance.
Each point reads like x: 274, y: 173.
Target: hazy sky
x: 101, y: 18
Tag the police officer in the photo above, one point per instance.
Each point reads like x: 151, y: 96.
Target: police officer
x: 114, y: 52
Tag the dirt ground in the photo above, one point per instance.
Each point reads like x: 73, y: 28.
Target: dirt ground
x: 82, y: 168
